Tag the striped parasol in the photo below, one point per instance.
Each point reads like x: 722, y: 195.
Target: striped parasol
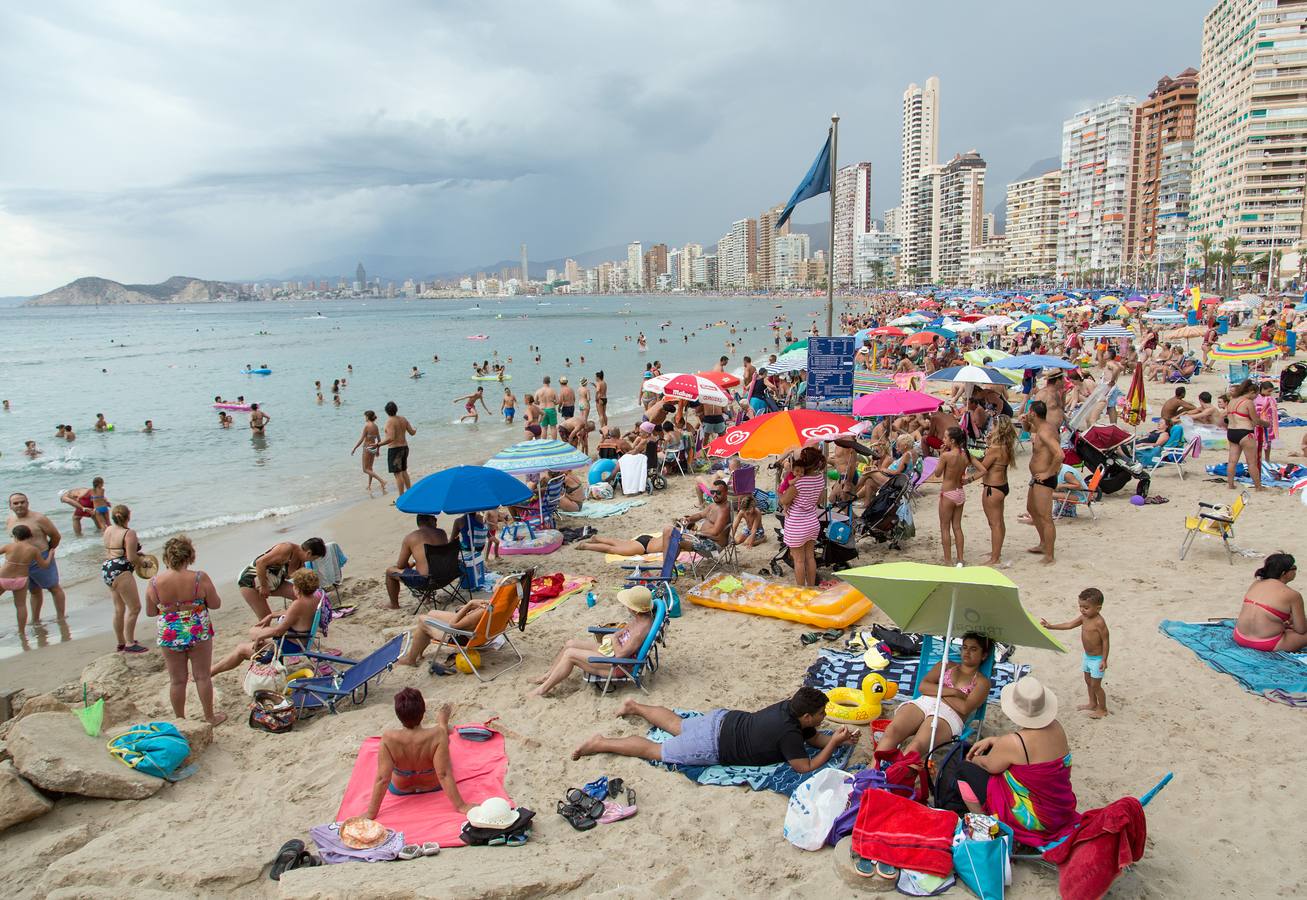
x: 1136, y: 403
x: 774, y: 433
x: 1243, y: 351
x: 865, y: 382
x: 971, y: 375
x: 538, y: 456
x: 794, y: 361
x: 1110, y: 330
x: 985, y: 356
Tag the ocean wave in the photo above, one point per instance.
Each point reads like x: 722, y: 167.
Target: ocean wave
x: 49, y: 463
x: 222, y: 521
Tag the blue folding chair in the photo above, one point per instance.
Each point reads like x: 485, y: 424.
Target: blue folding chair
x: 632, y: 670
x: 312, y: 695
x: 654, y: 579
x: 931, y: 650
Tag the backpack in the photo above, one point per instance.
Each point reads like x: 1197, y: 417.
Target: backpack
x: 155, y: 748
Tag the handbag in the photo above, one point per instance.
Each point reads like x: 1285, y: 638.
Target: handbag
x: 272, y: 712
x: 267, y: 676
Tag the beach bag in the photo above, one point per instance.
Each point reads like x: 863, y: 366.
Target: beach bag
x: 673, y: 603
x: 272, y: 712
x: 814, y: 807
x: 265, y: 676
x: 155, y: 748
x: 984, y: 866
x: 900, y: 643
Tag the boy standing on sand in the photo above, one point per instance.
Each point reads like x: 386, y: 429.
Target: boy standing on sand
x: 1093, y: 636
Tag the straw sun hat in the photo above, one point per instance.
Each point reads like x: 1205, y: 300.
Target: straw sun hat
x: 636, y: 599
x: 494, y: 812
x: 1028, y: 703
x: 147, y: 565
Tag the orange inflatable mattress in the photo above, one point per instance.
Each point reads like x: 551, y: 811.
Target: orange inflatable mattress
x: 838, y: 606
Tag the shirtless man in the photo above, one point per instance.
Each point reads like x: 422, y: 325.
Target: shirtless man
x: 576, y: 431
x: 1205, y: 413
x: 45, y: 537
x: 547, y: 400
x: 601, y: 399
x: 1174, y: 408
x: 470, y: 405
x: 941, y: 420
x: 1045, y: 466
x: 395, y: 440
x: 747, y: 376
x: 1112, y: 369
x: 100, y: 423
x: 88, y: 503
x: 566, y: 400
x: 1054, y: 399
x: 258, y: 419
x: 412, y: 560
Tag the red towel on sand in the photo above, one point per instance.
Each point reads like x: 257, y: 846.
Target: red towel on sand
x: 895, y: 830
x: 479, y: 769
x: 1108, y: 840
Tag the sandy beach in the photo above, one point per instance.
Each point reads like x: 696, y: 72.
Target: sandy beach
x: 253, y: 790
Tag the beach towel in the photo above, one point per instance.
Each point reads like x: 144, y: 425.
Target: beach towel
x: 1287, y: 421
x: 1035, y: 800
x: 1108, y: 840
x: 778, y: 777
x: 649, y: 560
x: 903, y: 833
x: 1277, y: 676
x: 479, y: 768
x: 595, y: 510
x: 572, y: 584
x: 634, y: 468
x: 330, y: 567
x: 839, y: 668
x: 1272, y: 475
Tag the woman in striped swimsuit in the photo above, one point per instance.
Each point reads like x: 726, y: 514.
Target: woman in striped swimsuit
x: 802, y: 523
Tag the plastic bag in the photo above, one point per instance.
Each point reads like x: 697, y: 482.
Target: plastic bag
x: 814, y: 807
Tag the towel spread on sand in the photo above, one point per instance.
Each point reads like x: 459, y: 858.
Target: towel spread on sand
x: 648, y: 560
x: 839, y: 668
x: 778, y: 777
x: 599, y: 510
x: 1272, y: 476
x: 479, y: 769
x: 1277, y: 676
x: 572, y: 584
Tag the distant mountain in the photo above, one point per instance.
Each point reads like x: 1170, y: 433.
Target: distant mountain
x: 13, y: 301
x: 1035, y: 168
x: 103, y: 292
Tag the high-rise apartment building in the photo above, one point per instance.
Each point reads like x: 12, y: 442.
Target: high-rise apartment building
x: 690, y: 256
x: 767, y: 236
x: 360, y: 278
x: 655, y: 264
x: 893, y: 218
x: 571, y: 271
x: 1250, y: 135
x: 790, y: 251
x: 737, y: 255
x: 852, y: 216
x: 1162, y: 158
x: 874, y: 254
x: 1096, y: 150
x: 918, y: 159
x: 525, y: 276
x: 919, y: 252
x: 634, y: 266
x: 959, y: 228
x: 1032, y: 228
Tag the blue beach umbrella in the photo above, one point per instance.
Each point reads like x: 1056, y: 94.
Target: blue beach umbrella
x: 971, y: 375
x: 538, y: 456
x: 463, y: 489
x: 1034, y: 361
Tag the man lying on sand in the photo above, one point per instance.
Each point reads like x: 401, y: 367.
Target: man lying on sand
x: 725, y: 737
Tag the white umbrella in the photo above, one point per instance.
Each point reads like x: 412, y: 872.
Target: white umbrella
x: 1164, y: 315
x: 999, y: 321
x: 1236, y: 306
x: 971, y: 375
x: 1250, y: 298
x: 794, y: 361
x: 910, y: 319
x: 1110, y: 330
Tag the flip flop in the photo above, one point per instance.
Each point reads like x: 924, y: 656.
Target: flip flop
x: 808, y: 638
x: 409, y: 851
x: 832, y: 634
x: 135, y: 648
x: 575, y: 817
x: 436, y: 668
x: 285, y: 859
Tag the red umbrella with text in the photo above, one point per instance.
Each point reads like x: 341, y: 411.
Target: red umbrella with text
x: 775, y: 433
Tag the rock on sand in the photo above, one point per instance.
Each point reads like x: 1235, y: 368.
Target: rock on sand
x: 19, y: 801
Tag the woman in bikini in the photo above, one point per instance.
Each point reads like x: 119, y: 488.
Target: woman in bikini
x: 413, y: 759
x: 954, y: 461
x: 1000, y: 455
x: 965, y: 691
x: 369, y: 440
x: 1241, y: 424
x: 118, y: 572
x: 1271, y: 616
x: 181, y: 599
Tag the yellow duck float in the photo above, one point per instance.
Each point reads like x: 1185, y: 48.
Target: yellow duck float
x: 850, y: 706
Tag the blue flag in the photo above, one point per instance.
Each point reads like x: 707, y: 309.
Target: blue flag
x: 817, y: 181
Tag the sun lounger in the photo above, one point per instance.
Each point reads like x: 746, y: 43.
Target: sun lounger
x: 311, y: 695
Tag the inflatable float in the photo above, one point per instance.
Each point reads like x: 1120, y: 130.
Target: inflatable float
x: 256, y: 371
x: 519, y: 541
x: 478, y: 337
x: 851, y: 706
x: 492, y: 378
x: 838, y: 606
x: 235, y: 407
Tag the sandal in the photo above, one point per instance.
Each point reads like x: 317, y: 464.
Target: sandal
x: 808, y: 638
x: 287, y: 858
x: 584, y: 803
x: 832, y: 634
x: 575, y: 817
x: 436, y: 668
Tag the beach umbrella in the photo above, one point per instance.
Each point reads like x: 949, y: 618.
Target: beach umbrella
x: 909, y: 320
x: 928, y: 599
x: 894, y: 402
x: 1034, y: 361
x: 464, y: 489
x: 1109, y: 300
x: 1136, y: 403
x: 687, y: 387
x: 1163, y: 315
x: 971, y: 375
x: 984, y: 356
x: 797, y: 345
x: 721, y: 379
x: 1243, y: 351
x: 1109, y: 330
x: 947, y: 333
x: 921, y: 337
x: 865, y: 382
x: 998, y: 321
x: 1235, y: 306
x: 1251, y: 298
x: 887, y: 331
x: 794, y: 361
x: 1032, y: 325
x: 777, y: 432
x: 538, y: 456
x: 971, y: 317
x: 1189, y: 331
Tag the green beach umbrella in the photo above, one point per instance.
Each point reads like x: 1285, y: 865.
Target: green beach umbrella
x: 944, y: 599
x: 985, y: 356
x: 797, y: 345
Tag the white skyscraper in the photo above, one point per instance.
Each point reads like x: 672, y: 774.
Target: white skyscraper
x: 919, y: 156
x: 852, y: 216
x: 690, y: 255
x: 1096, y: 154
x: 634, y: 266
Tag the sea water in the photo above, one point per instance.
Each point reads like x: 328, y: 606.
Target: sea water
x: 167, y: 363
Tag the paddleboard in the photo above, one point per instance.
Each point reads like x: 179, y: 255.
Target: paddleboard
x: 256, y: 371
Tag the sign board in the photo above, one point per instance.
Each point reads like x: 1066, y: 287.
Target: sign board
x: 830, y: 374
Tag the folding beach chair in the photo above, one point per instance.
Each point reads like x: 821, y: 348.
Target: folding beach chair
x: 441, y: 585
x: 931, y: 651
x: 1239, y: 372
x: 1174, y: 455
x: 330, y: 568
x: 511, y: 593
x: 664, y: 575
x: 672, y: 457
x: 637, y: 670
x: 1212, y: 520
x: 922, y: 470
x: 713, y: 558
x: 312, y: 695
x: 304, y: 643
x: 541, y: 511
x: 742, y: 483
x: 1092, y: 493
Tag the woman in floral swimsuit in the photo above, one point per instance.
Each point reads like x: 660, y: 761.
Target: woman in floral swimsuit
x: 181, y: 599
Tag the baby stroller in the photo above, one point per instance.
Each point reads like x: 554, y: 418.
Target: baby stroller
x: 829, y: 554
x: 1291, y: 380
x: 1107, y: 446
x: 888, y: 517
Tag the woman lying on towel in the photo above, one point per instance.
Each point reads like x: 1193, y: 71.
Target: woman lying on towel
x: 965, y: 690
x: 624, y: 643
x: 1022, y: 778
x: 1271, y: 617
x: 413, y: 759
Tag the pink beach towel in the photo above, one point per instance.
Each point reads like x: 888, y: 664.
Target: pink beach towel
x: 479, y: 768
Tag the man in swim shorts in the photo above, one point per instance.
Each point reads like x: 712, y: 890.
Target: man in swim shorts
x: 395, y: 440
x: 1045, y: 466
x: 88, y: 503
x: 547, y: 400
x: 566, y: 400
x: 46, y: 537
x: 601, y: 399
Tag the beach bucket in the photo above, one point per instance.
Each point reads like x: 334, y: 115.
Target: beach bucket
x: 879, y: 727
x: 92, y: 716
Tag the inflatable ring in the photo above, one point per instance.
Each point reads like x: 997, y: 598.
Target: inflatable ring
x: 300, y: 673
x: 851, y: 706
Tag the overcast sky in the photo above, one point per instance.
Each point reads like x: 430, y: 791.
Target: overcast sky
x: 238, y: 140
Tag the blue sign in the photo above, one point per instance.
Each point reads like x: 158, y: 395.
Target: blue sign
x: 830, y: 374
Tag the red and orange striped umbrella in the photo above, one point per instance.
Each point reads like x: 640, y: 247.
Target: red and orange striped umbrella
x: 774, y: 433
x: 1136, y: 404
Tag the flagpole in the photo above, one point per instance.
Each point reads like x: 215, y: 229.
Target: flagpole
x: 830, y: 253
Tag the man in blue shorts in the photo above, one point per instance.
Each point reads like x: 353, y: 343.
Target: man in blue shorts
x: 46, y: 537
x: 729, y: 737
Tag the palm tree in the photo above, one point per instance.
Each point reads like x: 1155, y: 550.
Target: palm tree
x: 1205, y: 253
x: 1229, y: 253
x: 877, y: 271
